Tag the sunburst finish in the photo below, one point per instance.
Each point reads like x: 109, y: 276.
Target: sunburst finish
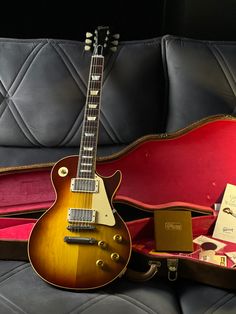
x: 78, y: 266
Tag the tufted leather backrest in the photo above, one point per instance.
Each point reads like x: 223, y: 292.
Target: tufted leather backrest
x: 43, y: 89
x: 201, y: 78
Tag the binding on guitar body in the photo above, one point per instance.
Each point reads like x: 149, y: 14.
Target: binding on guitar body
x: 81, y: 242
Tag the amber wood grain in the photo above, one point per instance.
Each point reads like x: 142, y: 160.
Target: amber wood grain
x: 74, y: 266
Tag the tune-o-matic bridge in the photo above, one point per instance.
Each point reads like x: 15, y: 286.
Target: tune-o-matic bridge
x: 84, y: 185
x: 81, y: 219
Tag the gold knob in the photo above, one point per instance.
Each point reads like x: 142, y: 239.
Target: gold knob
x: 102, y: 244
x: 100, y: 263
x: 117, y: 238
x: 115, y: 257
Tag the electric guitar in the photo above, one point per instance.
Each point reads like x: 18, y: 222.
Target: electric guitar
x: 81, y: 242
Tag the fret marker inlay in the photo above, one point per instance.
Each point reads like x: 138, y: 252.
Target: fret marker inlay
x: 95, y: 77
x: 89, y: 134
x: 94, y: 92
x: 92, y: 106
x: 90, y: 149
x: 91, y: 118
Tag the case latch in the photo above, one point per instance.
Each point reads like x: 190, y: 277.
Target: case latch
x: 172, y: 265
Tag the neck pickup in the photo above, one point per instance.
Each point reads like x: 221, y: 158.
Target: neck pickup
x: 84, y: 185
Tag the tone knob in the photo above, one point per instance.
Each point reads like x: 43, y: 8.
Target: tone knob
x: 102, y: 244
x: 117, y: 238
x: 115, y: 257
x: 100, y: 263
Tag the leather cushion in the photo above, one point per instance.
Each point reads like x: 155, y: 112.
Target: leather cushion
x: 201, y: 79
x: 22, y: 291
x: 43, y: 89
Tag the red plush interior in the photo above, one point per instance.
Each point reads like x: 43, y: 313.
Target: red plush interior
x: 16, y: 228
x: 142, y: 234
x: 25, y: 191
x: 193, y: 167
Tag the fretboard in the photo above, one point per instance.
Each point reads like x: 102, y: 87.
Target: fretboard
x: 89, y: 136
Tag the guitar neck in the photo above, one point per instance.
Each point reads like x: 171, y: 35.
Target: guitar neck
x: 89, y: 137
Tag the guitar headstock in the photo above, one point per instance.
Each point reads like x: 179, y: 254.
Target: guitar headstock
x: 101, y: 40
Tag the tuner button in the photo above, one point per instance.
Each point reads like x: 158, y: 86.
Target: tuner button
x: 115, y: 42
x: 102, y: 244
x: 115, y: 257
x: 88, y: 35
x: 117, y: 238
x: 113, y: 49
x: 116, y: 36
x: 88, y: 41
x: 87, y: 48
x: 100, y: 263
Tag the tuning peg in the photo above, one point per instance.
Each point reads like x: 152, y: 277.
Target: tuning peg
x: 113, y: 49
x: 115, y: 42
x: 89, y: 35
x: 116, y: 36
x: 87, y: 48
x: 88, y: 41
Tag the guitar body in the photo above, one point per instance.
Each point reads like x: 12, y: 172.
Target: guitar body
x: 74, y: 253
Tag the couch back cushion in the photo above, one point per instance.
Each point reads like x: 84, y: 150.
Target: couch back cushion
x: 201, y: 79
x: 43, y: 90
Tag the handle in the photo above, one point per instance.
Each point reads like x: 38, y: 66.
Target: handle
x: 143, y: 276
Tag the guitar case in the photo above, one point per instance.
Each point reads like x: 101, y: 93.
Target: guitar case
x: 187, y: 170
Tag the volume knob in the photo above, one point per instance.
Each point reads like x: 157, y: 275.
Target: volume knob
x: 102, y: 244
x: 115, y: 257
x: 117, y: 238
x: 100, y: 263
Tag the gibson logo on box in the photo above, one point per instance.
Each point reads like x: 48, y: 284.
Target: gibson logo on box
x: 173, y: 230
x: 175, y: 226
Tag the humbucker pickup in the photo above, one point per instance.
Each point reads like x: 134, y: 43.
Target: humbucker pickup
x: 84, y: 185
x: 79, y: 215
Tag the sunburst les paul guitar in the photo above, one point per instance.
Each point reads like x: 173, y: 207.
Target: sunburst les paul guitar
x: 81, y: 242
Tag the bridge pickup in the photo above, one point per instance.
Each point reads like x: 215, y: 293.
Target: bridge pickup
x: 84, y: 185
x: 79, y: 240
x: 80, y: 215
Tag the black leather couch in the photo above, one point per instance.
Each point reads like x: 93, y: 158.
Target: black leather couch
x: 151, y: 86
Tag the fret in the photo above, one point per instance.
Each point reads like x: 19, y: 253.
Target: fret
x: 86, y: 164
x: 96, y: 70
x: 87, y: 157
x: 85, y: 171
